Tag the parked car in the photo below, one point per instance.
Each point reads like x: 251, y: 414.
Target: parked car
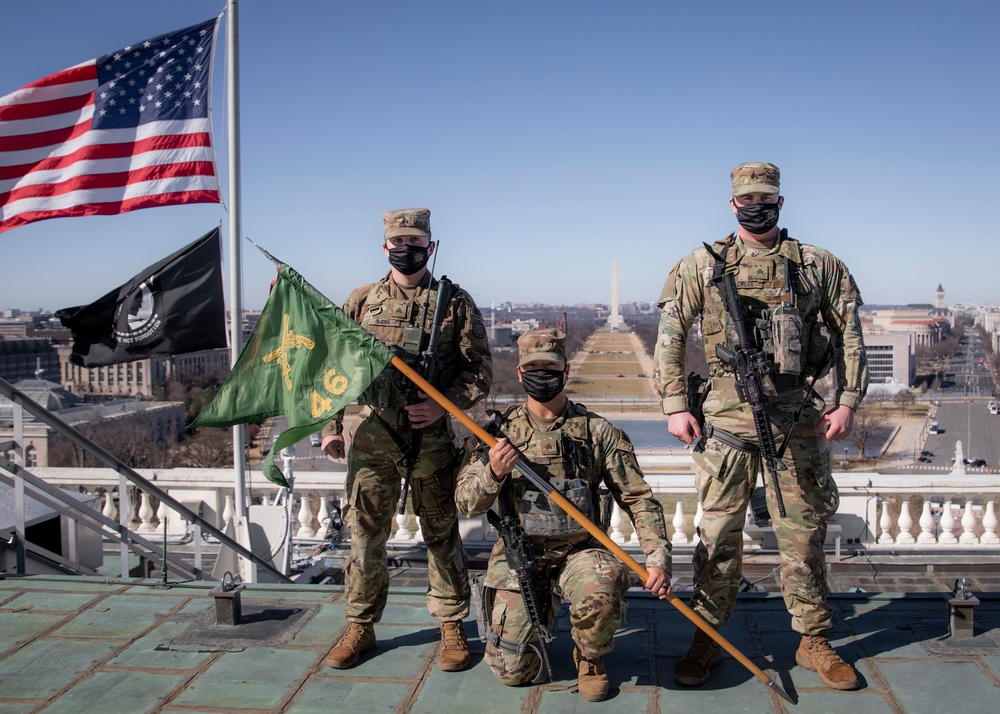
x: 314, y: 439
x: 924, y: 460
x: 934, y: 428
x: 971, y: 462
x: 927, y: 453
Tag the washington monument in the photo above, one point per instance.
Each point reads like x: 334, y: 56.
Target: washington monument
x: 615, y: 321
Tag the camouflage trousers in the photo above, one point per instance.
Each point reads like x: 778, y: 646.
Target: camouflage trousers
x: 373, y: 486
x: 594, y: 584
x: 725, y: 478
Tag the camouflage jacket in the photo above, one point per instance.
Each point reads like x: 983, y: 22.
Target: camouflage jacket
x: 465, y: 367
x: 825, y: 291
x: 580, y: 445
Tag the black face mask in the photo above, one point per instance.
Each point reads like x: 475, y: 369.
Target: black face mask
x: 408, y: 259
x: 543, y: 385
x: 758, y: 218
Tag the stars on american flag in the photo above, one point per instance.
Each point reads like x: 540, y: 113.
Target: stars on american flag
x: 164, y: 78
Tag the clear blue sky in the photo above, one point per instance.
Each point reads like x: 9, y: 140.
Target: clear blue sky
x: 549, y: 138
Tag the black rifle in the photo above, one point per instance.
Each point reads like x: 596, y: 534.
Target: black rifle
x: 520, y: 555
x: 428, y: 368
x: 752, y: 369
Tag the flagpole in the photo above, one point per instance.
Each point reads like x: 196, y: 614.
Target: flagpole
x: 235, y: 231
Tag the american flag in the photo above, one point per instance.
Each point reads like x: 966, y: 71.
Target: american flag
x: 128, y: 130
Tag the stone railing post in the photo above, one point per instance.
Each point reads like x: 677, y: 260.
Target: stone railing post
x: 305, y: 518
x: 947, y: 536
x: 905, y: 537
x: 926, y: 522
x: 679, y: 537
x: 885, y: 524
x: 990, y: 536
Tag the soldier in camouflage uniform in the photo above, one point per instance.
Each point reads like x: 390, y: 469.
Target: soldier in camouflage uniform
x: 577, y: 452
x: 405, y: 298
x: 806, y: 304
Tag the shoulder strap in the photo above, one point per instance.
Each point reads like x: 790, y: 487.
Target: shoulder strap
x: 720, y: 262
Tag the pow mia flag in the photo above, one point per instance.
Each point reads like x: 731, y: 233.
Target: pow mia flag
x: 172, y: 307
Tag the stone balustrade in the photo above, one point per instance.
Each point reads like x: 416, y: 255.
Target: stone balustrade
x: 878, y: 512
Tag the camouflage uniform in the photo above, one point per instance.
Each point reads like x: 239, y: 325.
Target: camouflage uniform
x: 726, y: 476
x: 373, y: 470
x: 578, y: 445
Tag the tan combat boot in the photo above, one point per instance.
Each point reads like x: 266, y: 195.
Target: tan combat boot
x: 591, y: 679
x: 455, y: 655
x: 696, y: 665
x: 359, y: 637
x: 816, y: 655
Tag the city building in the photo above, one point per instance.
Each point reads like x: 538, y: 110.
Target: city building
x: 24, y: 358
x: 165, y: 420
x: 928, y: 324
x: 988, y: 318
x: 138, y: 378
x: 891, y: 356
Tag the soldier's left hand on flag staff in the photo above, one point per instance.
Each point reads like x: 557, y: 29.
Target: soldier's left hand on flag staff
x: 334, y: 446
x: 658, y: 582
x: 503, y: 456
x: 425, y: 412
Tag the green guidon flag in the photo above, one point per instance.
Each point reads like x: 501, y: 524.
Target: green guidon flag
x: 305, y: 359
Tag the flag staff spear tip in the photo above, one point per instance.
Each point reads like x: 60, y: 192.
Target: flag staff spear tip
x: 266, y: 254
x: 600, y: 535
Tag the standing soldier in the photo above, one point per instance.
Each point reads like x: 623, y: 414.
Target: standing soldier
x: 397, y: 310
x: 577, y: 452
x: 802, y: 307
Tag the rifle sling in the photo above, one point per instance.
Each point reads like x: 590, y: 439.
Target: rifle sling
x: 399, y: 441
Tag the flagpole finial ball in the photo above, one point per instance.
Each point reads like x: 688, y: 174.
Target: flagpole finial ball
x: 407, y: 222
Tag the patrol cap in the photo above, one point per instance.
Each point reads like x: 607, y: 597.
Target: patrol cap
x: 755, y: 177
x: 548, y: 345
x: 407, y: 222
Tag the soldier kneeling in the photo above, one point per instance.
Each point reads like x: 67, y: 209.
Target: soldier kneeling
x: 576, y: 452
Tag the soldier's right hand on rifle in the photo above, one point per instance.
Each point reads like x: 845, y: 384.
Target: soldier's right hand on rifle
x: 684, y: 426
x: 503, y: 456
x: 425, y: 412
x: 334, y: 446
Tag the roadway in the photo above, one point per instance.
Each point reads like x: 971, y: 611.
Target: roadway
x: 967, y: 373
x: 967, y: 421
x: 961, y: 410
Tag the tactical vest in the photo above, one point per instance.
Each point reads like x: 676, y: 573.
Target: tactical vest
x: 565, y: 459
x: 782, y: 306
x: 388, y: 319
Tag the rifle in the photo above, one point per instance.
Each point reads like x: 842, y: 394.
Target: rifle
x: 520, y: 555
x: 752, y: 369
x: 428, y: 369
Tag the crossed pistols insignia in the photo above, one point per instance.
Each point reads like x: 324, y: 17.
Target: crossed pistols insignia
x: 289, y: 341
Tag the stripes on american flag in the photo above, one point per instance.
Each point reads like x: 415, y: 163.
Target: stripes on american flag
x: 129, y: 130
